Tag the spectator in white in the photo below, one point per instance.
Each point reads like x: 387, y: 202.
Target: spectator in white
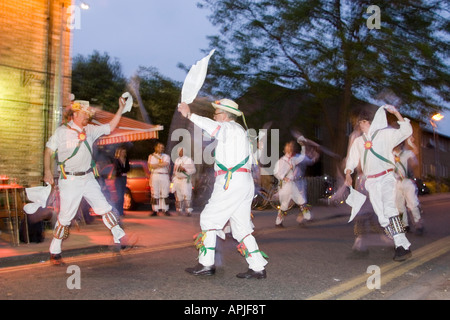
x: 183, y: 169
x: 158, y: 164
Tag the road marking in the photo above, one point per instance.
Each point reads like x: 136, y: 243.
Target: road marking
x: 356, y: 287
x: 352, y: 289
x: 99, y: 256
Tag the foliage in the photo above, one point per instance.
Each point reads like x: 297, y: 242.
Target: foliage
x: 325, y: 47
x: 98, y: 78
x: 160, y: 96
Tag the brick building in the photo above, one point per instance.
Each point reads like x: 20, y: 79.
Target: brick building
x: 35, y: 82
x: 435, y: 155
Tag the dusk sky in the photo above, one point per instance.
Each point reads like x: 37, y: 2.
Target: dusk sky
x: 152, y: 33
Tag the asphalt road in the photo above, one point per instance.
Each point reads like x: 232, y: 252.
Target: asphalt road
x: 306, y: 263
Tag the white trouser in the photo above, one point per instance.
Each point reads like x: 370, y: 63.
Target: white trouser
x: 234, y: 205
x: 382, y: 195
x: 183, y: 191
x: 288, y: 191
x: 160, y: 191
x: 407, y: 193
x: 71, y: 191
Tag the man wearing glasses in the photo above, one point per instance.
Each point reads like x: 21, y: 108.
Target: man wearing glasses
x: 232, y: 194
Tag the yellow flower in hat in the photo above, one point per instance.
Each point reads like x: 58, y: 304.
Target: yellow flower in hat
x: 82, y: 105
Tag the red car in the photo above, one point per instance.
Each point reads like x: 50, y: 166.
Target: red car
x: 138, y: 189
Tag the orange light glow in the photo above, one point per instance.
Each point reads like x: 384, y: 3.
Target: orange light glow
x: 437, y: 117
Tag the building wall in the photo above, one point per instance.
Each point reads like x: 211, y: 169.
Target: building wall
x: 430, y: 154
x: 35, y: 82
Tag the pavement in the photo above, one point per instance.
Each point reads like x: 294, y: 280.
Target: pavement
x: 150, y: 233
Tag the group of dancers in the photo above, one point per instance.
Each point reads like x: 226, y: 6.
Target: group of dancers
x: 378, y: 153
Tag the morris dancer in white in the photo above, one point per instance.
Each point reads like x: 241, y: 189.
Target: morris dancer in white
x: 405, y: 159
x: 374, y: 150
x: 158, y: 164
x: 73, y: 143
x: 183, y: 169
x: 233, y: 191
x: 290, y: 171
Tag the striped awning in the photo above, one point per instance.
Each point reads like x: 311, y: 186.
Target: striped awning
x: 127, y: 130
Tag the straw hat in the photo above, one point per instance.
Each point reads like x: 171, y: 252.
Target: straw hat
x: 227, y: 105
x: 82, y: 105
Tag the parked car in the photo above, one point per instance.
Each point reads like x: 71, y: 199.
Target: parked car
x: 138, y: 189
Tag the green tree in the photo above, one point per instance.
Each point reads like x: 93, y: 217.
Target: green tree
x: 160, y: 96
x: 327, y: 48
x: 98, y: 78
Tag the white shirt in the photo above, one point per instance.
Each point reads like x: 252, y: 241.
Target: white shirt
x: 187, y: 164
x: 232, y: 142
x: 155, y: 158
x: 384, y: 142
x: 65, y: 140
x: 404, y: 157
x: 292, y: 167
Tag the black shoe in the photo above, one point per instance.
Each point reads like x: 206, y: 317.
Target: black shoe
x: 201, y: 270
x: 252, y: 274
x: 56, y: 260
x: 152, y: 214
x: 128, y: 242
x: 401, y: 254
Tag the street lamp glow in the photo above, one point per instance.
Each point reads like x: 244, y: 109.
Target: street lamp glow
x: 437, y: 117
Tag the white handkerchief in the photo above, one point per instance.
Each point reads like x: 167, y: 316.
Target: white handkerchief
x: 379, y: 121
x: 221, y: 234
x: 129, y: 102
x: 38, y: 197
x: 194, y: 79
x: 355, y: 200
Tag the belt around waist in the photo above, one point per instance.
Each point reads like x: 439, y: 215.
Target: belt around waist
x: 220, y: 172
x: 159, y: 173
x: 379, y: 174
x: 79, y: 173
